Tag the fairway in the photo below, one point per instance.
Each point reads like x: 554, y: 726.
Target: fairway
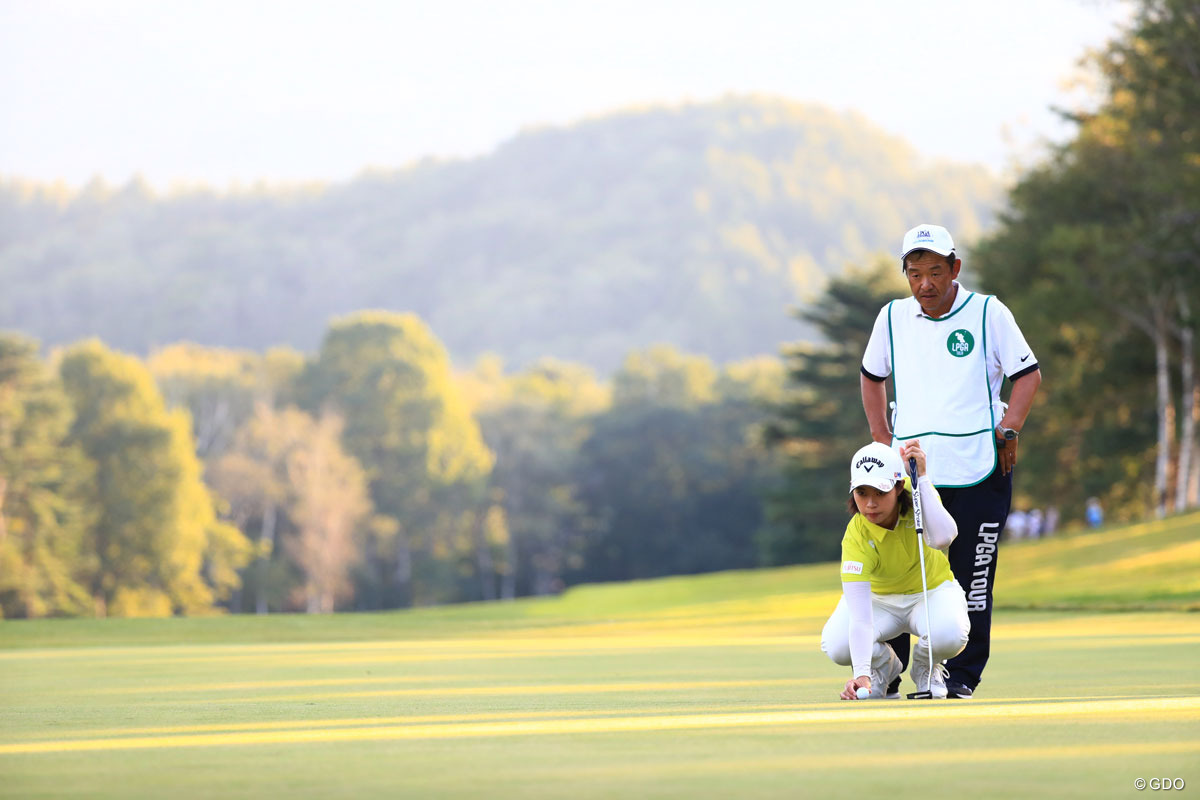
x: 1075, y: 706
x: 711, y: 686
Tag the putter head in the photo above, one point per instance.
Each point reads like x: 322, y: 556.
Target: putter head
x: 920, y: 695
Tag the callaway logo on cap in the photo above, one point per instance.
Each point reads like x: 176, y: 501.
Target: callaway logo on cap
x: 868, y: 463
x: 876, y: 465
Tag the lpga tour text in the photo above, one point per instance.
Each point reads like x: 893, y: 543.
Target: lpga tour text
x: 989, y: 534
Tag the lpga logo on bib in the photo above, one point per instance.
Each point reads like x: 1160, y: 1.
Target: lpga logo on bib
x: 960, y: 343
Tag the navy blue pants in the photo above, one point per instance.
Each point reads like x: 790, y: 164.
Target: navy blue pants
x: 980, y: 512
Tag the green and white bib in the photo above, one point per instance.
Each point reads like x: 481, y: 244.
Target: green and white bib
x: 943, y: 394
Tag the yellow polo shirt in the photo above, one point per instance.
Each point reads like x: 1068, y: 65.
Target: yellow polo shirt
x: 888, y: 558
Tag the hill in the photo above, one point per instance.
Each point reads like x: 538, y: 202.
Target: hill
x: 699, y: 226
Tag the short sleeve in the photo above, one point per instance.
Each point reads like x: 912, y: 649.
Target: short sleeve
x: 859, y: 560
x: 1008, y: 343
x: 877, y: 359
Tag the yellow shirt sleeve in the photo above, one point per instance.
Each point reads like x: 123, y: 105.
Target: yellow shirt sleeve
x: 859, y: 559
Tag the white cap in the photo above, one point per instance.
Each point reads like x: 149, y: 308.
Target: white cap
x: 933, y: 238
x: 876, y: 465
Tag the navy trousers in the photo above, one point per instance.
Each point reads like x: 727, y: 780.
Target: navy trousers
x: 980, y: 512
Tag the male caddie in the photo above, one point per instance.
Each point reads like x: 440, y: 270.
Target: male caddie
x: 948, y: 350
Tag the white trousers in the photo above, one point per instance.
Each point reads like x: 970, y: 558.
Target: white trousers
x: 894, y: 614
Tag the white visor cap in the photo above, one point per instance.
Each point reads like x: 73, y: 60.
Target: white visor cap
x: 933, y: 238
x: 876, y: 465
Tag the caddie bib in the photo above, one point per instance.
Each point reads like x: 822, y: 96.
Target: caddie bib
x: 943, y: 397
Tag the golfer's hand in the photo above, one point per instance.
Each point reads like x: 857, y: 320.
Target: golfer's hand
x: 912, y: 449
x: 852, y: 686
x: 1006, y: 449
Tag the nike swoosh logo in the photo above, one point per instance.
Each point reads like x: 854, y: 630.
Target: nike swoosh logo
x: 1027, y: 355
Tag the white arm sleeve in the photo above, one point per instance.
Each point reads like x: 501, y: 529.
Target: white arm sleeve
x: 940, y: 528
x: 862, y: 625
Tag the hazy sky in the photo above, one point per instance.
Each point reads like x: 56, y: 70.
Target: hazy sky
x: 216, y: 91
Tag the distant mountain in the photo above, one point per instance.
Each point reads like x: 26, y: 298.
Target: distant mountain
x: 699, y: 225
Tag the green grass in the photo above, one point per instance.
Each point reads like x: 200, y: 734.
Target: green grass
x: 708, y: 686
x: 1151, y: 565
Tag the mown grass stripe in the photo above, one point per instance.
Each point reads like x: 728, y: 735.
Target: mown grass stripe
x: 564, y: 713
x: 278, y: 684
x: 867, y: 713
x: 412, y: 719
x: 901, y: 759
x: 638, y: 634
x: 401, y: 652
x: 807, y: 643
x: 1106, y: 642
x: 531, y: 689
x: 635, y: 639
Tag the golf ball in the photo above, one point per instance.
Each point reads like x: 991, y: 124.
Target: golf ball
x: 862, y: 693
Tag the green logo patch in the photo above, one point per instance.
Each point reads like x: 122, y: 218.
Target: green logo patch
x: 960, y: 343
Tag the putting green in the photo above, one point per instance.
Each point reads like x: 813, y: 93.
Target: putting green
x: 735, y: 700
x: 469, y: 725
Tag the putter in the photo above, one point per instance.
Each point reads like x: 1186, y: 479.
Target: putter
x: 919, y: 521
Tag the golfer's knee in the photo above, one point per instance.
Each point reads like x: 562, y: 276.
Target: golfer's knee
x: 838, y: 651
x: 949, y: 639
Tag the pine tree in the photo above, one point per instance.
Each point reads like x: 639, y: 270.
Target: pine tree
x: 822, y: 423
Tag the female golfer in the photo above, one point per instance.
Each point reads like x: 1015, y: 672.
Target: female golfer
x: 881, y: 577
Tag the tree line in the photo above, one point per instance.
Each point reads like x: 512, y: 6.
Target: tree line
x: 367, y: 476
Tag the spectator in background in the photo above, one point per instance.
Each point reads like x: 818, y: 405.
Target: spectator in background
x: 1050, y: 525
x: 1017, y: 523
x: 1094, y: 513
x: 1033, y: 528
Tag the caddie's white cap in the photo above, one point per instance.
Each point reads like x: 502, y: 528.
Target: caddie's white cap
x: 876, y: 465
x: 934, y: 238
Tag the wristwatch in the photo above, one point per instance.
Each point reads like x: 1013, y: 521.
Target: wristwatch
x: 1005, y: 435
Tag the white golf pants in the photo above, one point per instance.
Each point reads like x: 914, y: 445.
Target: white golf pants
x: 894, y: 614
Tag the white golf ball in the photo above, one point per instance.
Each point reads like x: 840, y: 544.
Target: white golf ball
x: 862, y: 693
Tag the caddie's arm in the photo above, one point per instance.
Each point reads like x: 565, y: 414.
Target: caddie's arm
x: 1020, y: 402
x: 874, y: 398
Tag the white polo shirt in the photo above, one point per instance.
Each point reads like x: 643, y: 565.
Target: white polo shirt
x: 946, y: 376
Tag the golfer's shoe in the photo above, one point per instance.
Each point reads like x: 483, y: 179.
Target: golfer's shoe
x: 919, y: 672
x: 880, y: 678
x: 961, y: 691
x: 893, y: 692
